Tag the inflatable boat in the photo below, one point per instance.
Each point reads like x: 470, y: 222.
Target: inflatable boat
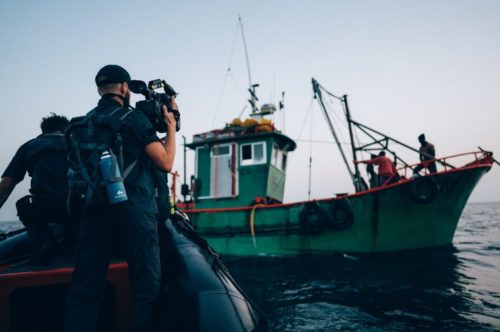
x: 199, y: 294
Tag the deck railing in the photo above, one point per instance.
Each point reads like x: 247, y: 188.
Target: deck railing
x: 469, y: 159
x: 477, y: 158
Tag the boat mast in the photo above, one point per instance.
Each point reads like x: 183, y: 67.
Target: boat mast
x: 253, y: 96
x: 354, y: 157
x: 318, y: 96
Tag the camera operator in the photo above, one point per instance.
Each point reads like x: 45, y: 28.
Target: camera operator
x: 135, y: 219
x: 44, y: 158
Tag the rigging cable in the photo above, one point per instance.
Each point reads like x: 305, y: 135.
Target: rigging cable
x: 282, y: 110
x: 337, y: 123
x: 342, y: 120
x: 219, y: 100
x: 320, y: 142
x: 328, y: 92
x: 305, y: 118
x: 291, y: 157
x: 355, y: 133
x: 317, y: 94
x: 236, y: 84
x: 228, y: 72
x: 310, y: 158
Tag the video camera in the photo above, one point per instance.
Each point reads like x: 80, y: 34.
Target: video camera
x: 152, y: 105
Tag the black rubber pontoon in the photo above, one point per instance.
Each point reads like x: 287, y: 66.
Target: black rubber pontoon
x: 201, y: 295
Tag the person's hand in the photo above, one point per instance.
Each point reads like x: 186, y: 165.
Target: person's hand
x: 169, y: 120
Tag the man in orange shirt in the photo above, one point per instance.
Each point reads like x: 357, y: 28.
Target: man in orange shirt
x: 386, y: 169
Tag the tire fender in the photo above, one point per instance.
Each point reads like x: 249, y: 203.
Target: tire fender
x: 312, y: 218
x: 424, y: 189
x: 342, y: 214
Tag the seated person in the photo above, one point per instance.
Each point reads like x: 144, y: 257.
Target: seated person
x: 45, y: 160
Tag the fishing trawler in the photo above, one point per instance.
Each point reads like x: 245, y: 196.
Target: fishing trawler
x: 237, y: 193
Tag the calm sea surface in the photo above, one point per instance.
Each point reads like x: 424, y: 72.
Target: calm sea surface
x: 457, y: 289
x: 453, y: 289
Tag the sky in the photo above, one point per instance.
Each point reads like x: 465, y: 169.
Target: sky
x: 407, y: 66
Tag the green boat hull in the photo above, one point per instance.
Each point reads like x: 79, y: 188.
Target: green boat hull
x: 384, y: 220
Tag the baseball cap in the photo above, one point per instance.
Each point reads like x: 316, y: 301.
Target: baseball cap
x: 111, y: 74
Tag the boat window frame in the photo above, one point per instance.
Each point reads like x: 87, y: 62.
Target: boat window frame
x: 212, y: 150
x: 252, y: 161
x: 284, y: 160
x: 279, y: 158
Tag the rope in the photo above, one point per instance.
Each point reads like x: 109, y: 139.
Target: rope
x: 355, y: 133
x: 305, y: 118
x: 234, y: 45
x: 215, y: 168
x: 6, y: 235
x: 236, y: 84
x: 319, y: 141
x: 310, y: 158
x: 328, y: 92
x: 219, y: 100
x: 252, y: 223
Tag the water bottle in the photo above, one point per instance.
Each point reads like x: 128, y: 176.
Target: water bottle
x: 113, y: 178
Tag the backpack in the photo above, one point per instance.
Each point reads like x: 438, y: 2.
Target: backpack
x: 87, y: 138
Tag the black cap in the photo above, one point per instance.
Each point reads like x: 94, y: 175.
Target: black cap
x: 111, y: 74
x: 421, y: 137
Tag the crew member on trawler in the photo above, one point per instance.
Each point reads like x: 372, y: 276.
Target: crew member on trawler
x: 386, y: 169
x: 427, y: 155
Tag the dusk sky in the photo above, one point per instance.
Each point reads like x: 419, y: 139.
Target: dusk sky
x: 409, y: 67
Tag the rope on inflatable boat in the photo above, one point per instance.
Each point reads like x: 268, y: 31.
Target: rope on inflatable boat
x: 6, y: 235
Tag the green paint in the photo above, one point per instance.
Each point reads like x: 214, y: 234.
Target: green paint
x: 275, y: 183
x: 385, y: 220
x: 249, y: 178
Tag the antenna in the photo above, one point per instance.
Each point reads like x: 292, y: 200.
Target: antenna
x: 282, y: 109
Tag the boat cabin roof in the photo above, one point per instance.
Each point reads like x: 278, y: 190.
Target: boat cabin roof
x: 231, y: 134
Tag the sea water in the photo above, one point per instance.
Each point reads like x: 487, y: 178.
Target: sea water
x: 448, y: 289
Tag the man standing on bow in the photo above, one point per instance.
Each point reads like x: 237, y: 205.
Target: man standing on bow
x: 427, y: 155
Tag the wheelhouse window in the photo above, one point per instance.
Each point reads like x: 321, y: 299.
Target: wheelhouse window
x: 246, y: 152
x: 253, y: 154
x: 221, y: 150
x: 279, y: 158
x: 283, y: 162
